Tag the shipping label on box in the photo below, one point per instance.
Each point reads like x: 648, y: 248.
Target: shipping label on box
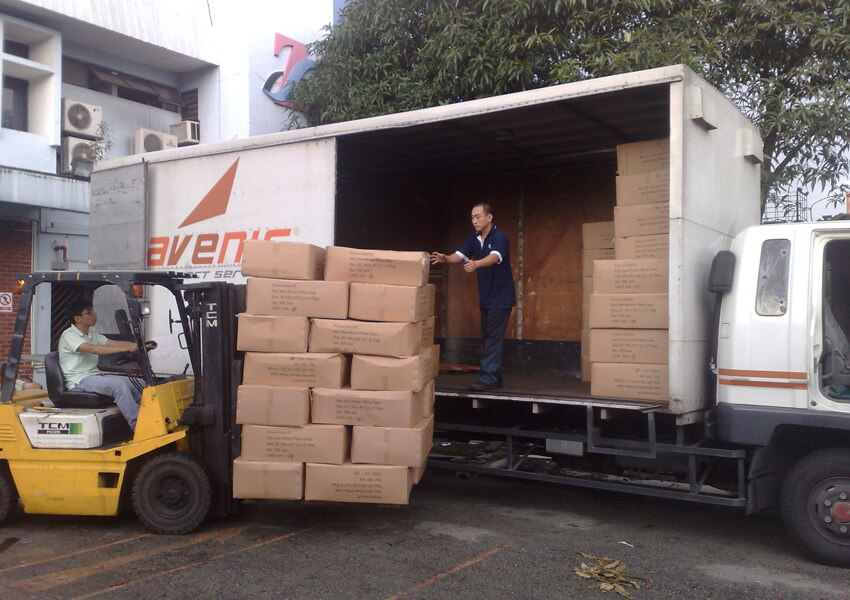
x: 631, y: 276
x: 375, y: 484
x: 296, y: 370
x: 642, y: 219
x: 648, y: 346
x: 273, y: 405
x: 386, y: 373
x: 643, y: 246
x: 320, y: 299
x: 282, y: 260
x: 312, y: 443
x: 365, y: 337
x: 400, y: 303
x: 588, y: 256
x: 597, y: 235
x: 629, y: 311
x: 631, y: 381
x: 267, y: 333
x: 643, y: 157
x: 407, y: 446
x: 377, y: 266
x: 370, y: 408
x: 643, y: 188
x: 267, y: 479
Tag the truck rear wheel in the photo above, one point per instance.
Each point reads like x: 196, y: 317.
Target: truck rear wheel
x: 172, y: 493
x: 8, y: 494
x: 816, y: 505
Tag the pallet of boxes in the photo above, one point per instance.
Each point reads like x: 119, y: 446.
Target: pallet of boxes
x: 337, y: 397
x: 628, y: 312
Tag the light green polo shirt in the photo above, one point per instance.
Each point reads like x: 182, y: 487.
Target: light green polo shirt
x: 75, y: 365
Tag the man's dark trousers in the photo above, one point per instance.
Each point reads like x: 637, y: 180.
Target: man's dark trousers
x: 494, y: 322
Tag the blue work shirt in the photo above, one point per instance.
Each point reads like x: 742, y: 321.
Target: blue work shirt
x: 496, y: 282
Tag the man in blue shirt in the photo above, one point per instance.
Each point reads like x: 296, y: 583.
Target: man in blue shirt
x: 487, y: 253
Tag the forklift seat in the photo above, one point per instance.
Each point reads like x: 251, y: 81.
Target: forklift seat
x: 61, y: 397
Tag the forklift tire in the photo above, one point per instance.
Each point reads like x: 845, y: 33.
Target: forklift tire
x: 815, y: 505
x: 8, y: 494
x: 172, y: 494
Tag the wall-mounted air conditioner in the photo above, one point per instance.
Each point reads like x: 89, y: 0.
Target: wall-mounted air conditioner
x: 148, y: 140
x: 74, y: 147
x: 188, y: 132
x: 81, y: 119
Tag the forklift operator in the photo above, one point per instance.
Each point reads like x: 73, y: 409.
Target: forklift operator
x: 79, y: 348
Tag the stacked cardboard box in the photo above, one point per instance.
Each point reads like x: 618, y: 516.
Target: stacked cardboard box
x: 629, y: 305
x: 597, y: 244
x: 307, y: 433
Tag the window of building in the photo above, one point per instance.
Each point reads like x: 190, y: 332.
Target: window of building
x: 121, y: 85
x: 15, y: 98
x: 16, y: 48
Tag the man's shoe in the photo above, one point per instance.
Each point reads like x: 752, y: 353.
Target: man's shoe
x: 483, y: 387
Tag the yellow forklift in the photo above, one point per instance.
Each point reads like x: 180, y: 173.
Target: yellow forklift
x: 76, y: 455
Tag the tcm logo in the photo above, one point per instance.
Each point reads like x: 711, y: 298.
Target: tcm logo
x: 208, y: 248
x: 60, y: 428
x: 280, y: 85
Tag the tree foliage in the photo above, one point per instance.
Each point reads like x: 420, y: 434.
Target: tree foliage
x: 785, y: 63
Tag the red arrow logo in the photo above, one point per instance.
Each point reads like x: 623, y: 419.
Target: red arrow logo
x: 215, y: 202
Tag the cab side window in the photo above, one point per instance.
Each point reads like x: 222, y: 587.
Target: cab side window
x: 772, y: 289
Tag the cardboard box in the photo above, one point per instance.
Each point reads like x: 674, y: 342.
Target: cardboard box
x: 426, y: 397
x: 375, y: 484
x: 273, y: 405
x: 588, y: 256
x: 365, y: 337
x: 629, y: 311
x: 428, y: 331
x: 643, y: 188
x: 586, y: 289
x: 416, y: 473
x: 647, y: 346
x: 585, y: 368
x: 312, y: 443
x: 631, y: 381
x: 296, y: 370
x: 585, y: 342
x: 597, y: 235
x: 585, y: 314
x: 434, y: 361
x: 643, y: 246
x: 267, y: 479
x: 266, y: 333
x: 643, y: 157
x: 401, y: 303
x: 631, y: 276
x: 386, y: 373
x: 282, y: 260
x: 320, y: 299
x: 377, y: 266
x: 408, y: 446
x: 641, y: 219
x: 369, y: 407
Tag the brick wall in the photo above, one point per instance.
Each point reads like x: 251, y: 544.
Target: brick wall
x: 15, y: 257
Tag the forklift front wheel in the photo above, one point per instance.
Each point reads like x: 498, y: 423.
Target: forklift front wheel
x: 172, y: 493
x: 8, y: 494
x: 816, y: 505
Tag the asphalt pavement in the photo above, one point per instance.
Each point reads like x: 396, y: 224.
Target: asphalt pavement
x: 459, y: 538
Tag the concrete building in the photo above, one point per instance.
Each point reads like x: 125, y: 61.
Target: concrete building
x: 108, y: 78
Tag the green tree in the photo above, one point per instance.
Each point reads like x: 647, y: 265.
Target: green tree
x: 785, y: 63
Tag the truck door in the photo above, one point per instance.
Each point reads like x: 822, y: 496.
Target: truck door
x: 831, y: 316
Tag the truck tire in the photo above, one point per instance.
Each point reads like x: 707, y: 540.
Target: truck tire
x: 815, y: 505
x: 8, y: 494
x: 172, y: 494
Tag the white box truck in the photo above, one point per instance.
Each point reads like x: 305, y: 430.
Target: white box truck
x: 754, y: 415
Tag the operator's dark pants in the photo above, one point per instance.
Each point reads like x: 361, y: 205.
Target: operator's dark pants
x: 494, y: 322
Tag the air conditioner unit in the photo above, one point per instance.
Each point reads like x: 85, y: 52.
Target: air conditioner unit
x: 80, y: 119
x: 188, y: 132
x: 148, y: 140
x: 74, y: 147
